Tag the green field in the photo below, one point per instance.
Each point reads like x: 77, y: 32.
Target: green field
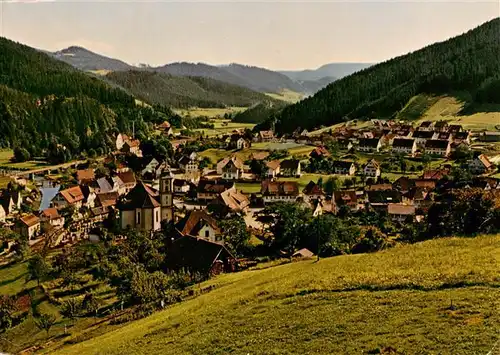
x: 287, y: 95
x: 436, y: 297
x: 208, y: 112
x: 248, y: 187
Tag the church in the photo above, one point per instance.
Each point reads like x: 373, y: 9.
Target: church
x: 145, y: 208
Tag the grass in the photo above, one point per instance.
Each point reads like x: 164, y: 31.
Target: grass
x: 306, y: 178
x: 248, y: 187
x: 398, y: 298
x: 416, y: 107
x: 209, y: 112
x: 286, y: 95
x: 13, y: 279
x: 222, y: 127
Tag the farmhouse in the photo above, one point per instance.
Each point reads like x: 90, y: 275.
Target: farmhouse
x: 341, y: 167
x: 438, y: 147
x: 399, y: 212
x: 230, y: 168
x: 421, y: 137
x: 266, y: 136
x: 372, y: 169
x: 86, y: 176
x: 189, y: 163
x: 347, y: 198
x: 426, y: 126
x: 50, y: 217
x: 404, y: 146
x: 369, y: 145
x: 313, y: 191
x: 72, y: 196
x: 200, y: 224
x: 231, y: 201
x: 210, y: 189
x: 165, y: 128
x: 274, y: 191
x: 290, y: 168
x: 273, y: 168
x: 441, y: 126
x: 28, y: 226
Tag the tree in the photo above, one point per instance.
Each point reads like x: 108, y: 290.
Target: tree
x: 426, y: 160
x: 331, y: 185
x: 71, y: 308
x: 45, y: 321
x: 91, y: 303
x: 38, y: 269
x: 21, y: 155
x: 235, y: 235
x: 8, y: 308
x: 348, y: 183
x: 258, y: 167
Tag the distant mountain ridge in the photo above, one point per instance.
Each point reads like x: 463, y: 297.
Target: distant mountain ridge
x: 333, y: 70
x: 251, y: 77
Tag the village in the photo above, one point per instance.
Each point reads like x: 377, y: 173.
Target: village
x: 391, y: 168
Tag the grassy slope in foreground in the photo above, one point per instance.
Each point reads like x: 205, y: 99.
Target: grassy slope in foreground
x: 342, y: 305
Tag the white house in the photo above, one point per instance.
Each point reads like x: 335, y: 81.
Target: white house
x: 404, y: 146
x: 344, y: 167
x: 230, y: 168
x: 200, y: 224
x: 369, y: 145
x: 438, y: 147
x: 273, y: 168
x: 275, y: 191
x: 372, y: 169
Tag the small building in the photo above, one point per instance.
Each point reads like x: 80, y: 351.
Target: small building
x: 441, y: 126
x: 128, y: 179
x: 341, y: 167
x: 189, y: 163
x: 319, y: 152
x: 209, y: 189
x: 370, y: 145
x: 28, y: 226
x: 380, y: 199
x: 231, y: 201
x: 421, y: 137
x: 399, y: 212
x: 403, y: 184
x: 266, y: 136
x: 11, y: 201
x: 313, y: 191
x: 372, y: 169
x: 426, y: 126
x: 455, y: 128
x: 200, y: 224
x: 438, y: 147
x: 290, y: 168
x: 150, y: 167
x: 199, y: 255
x: 85, y: 177
x: 230, y: 168
x: 72, y: 196
x: 347, y: 198
x: 275, y: 191
x: 50, y: 218
x: 165, y: 128
x: 273, y: 168
x: 181, y: 186
x: 404, y: 146
x: 108, y: 199
x: 461, y: 137
x: 344, y: 143
x: 480, y: 165
x: 303, y: 254
x: 132, y: 146
x: 490, y: 136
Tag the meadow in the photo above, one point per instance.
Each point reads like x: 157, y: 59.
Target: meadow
x: 438, y: 297
x: 209, y: 112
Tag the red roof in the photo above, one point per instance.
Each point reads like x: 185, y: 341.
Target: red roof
x: 73, y: 194
x: 30, y: 220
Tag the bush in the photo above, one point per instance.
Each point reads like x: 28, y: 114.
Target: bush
x: 21, y: 155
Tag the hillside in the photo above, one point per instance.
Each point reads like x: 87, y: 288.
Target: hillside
x: 183, y: 92
x: 439, y: 296
x: 260, y: 112
x: 332, y: 70
x: 86, y: 60
x: 45, y: 103
x: 467, y: 63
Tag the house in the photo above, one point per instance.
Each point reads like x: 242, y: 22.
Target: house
x: 209, y: 189
x: 189, y: 163
x: 303, y: 254
x: 231, y: 201
x: 199, y: 255
x: 372, y: 169
x: 379, y: 200
x: 344, y: 143
x: 435, y: 174
x: 480, y: 165
x: 313, y: 191
x: 378, y: 187
x: 273, y: 168
x: 145, y: 208
x: 132, y: 147
x: 369, y: 145
x: 404, y: 146
x: 181, y: 186
x: 108, y: 199
x: 274, y: 191
x: 150, y: 167
x: 341, y: 167
x: 444, y: 136
x: 415, y: 196
x: 165, y: 128
x: 128, y: 179
x: 421, y: 137
x: 490, y: 136
x: 103, y: 185
x: 399, y: 212
x: 441, y: 126
x: 85, y: 177
x: 319, y: 152
x: 200, y: 224
x: 72, y: 196
x: 455, y: 128
x: 230, y: 168
x: 266, y: 136
x: 11, y: 201
x: 461, y: 137
x: 121, y: 138
x: 28, y: 226
x: 236, y: 141
x: 438, y: 147
x: 347, y: 198
x: 290, y: 168
x: 51, y: 218
x: 426, y: 126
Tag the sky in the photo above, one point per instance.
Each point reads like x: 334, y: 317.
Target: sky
x: 279, y: 34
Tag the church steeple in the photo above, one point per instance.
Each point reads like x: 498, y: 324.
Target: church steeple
x: 166, y: 195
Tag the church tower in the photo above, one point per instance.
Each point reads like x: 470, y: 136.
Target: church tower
x: 167, y: 195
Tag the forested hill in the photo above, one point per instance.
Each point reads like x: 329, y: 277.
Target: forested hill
x: 84, y: 59
x: 184, y: 91
x: 49, y: 108
x: 467, y: 63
